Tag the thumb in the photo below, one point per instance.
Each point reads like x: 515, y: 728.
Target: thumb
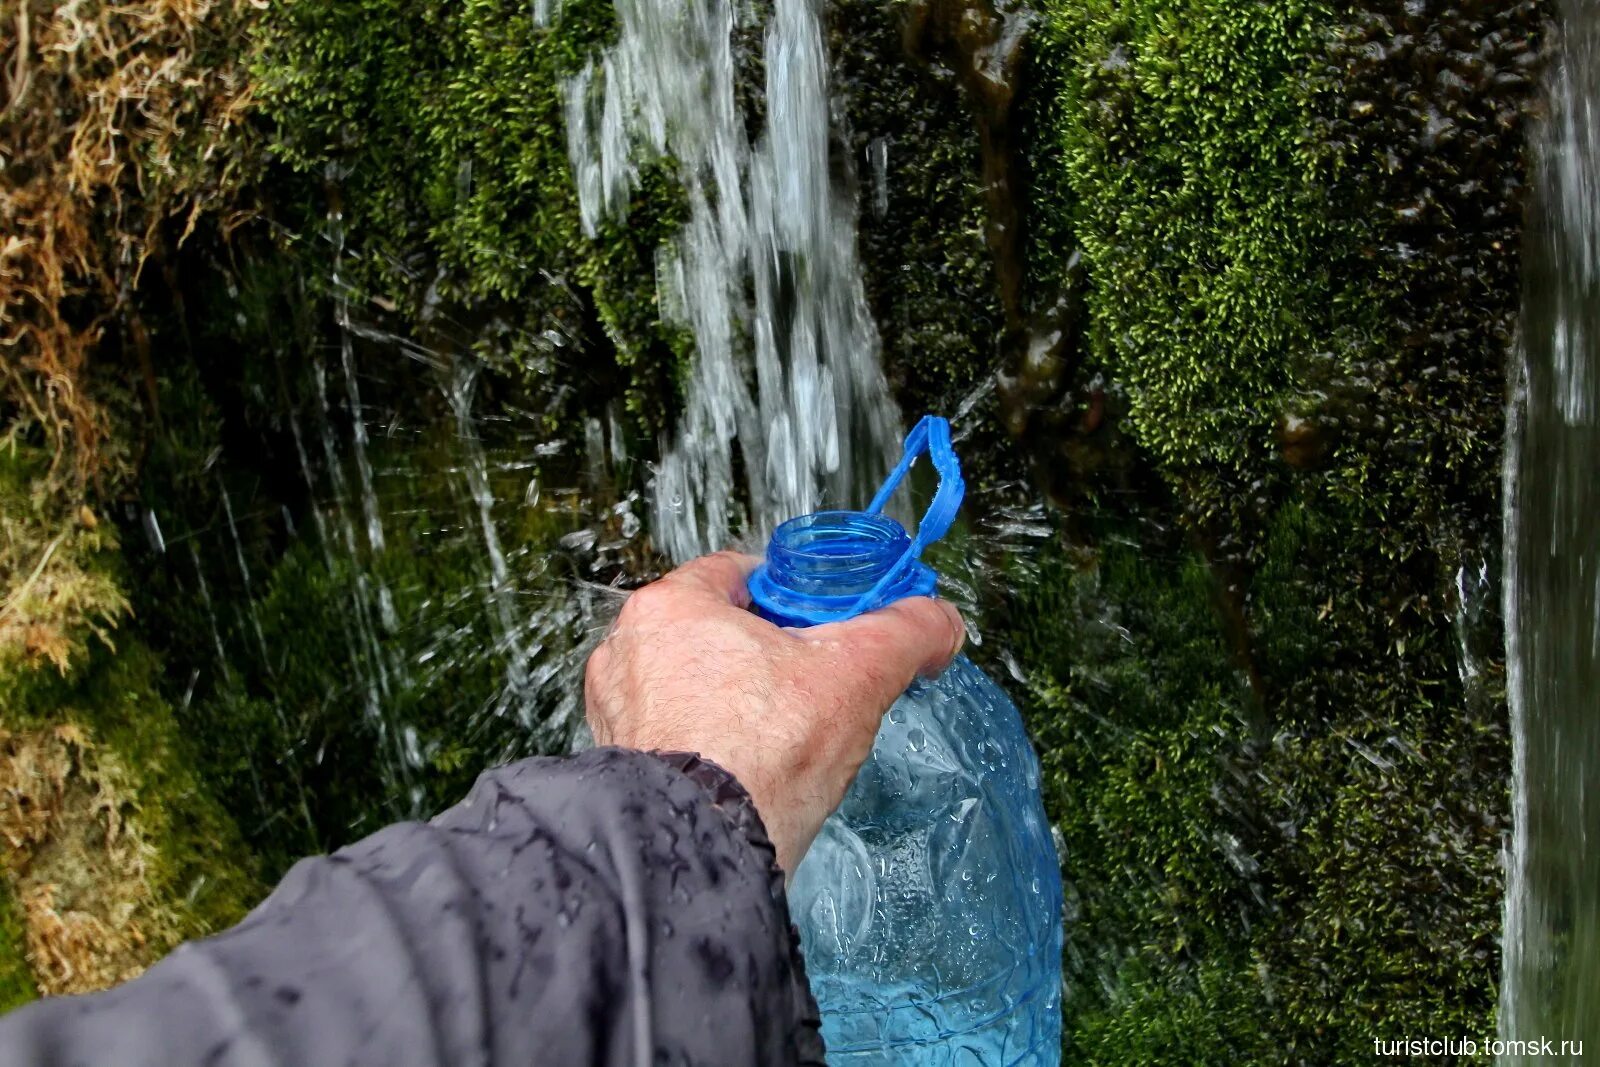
x: 888, y: 648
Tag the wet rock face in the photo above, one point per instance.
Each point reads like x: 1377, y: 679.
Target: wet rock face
x: 1287, y: 208
x: 453, y: 194
x: 913, y: 152
x: 1304, y: 443
x: 936, y: 99
x: 1419, y: 119
x: 982, y: 45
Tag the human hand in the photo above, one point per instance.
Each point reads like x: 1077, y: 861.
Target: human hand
x: 790, y: 713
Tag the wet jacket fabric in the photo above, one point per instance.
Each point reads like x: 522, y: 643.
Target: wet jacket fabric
x: 615, y: 908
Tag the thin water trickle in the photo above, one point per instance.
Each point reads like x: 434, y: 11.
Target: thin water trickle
x: 358, y: 422
x: 499, y: 591
x: 152, y: 529
x: 1551, y: 969
x: 786, y: 384
x: 244, y: 574
x: 211, y: 612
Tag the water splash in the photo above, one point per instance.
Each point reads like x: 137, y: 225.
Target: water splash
x: 786, y: 386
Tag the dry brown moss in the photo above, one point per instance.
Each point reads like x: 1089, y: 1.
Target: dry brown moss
x: 117, y: 118
x: 76, y: 862
x: 52, y: 600
x: 57, y: 585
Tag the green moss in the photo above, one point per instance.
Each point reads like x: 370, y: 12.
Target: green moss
x: 1181, y: 123
x: 439, y: 131
x: 930, y: 279
x: 1207, y: 1016
x: 316, y: 765
x: 16, y: 979
x: 1281, y: 807
x: 1270, y: 898
x: 1132, y: 701
x: 1384, y: 789
x: 1393, y: 919
x: 333, y: 687
x: 1299, y: 244
x: 198, y: 867
x: 60, y: 594
x: 1298, y: 223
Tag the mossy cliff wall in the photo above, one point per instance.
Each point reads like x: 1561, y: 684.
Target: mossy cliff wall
x: 1269, y: 288
x: 424, y: 238
x: 1228, y: 285
x: 433, y: 135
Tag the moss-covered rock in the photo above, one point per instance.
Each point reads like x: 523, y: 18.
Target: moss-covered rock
x: 932, y: 283
x: 117, y: 850
x: 339, y: 643
x: 126, y: 124
x: 1300, y: 892
x: 1273, y: 243
x: 59, y: 591
x: 913, y: 157
x: 1300, y: 226
x: 328, y: 722
x: 1182, y: 126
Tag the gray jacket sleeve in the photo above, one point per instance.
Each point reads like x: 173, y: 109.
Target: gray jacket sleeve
x: 610, y: 908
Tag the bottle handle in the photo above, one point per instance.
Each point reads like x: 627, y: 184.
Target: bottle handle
x: 932, y: 436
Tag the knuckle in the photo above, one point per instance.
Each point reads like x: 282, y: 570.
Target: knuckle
x: 924, y: 613
x: 728, y: 560
x: 877, y: 644
x: 804, y: 758
x: 930, y: 622
x: 595, y: 669
x: 645, y: 602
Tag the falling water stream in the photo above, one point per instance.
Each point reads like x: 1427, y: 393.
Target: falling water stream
x: 786, y: 383
x: 1551, y: 984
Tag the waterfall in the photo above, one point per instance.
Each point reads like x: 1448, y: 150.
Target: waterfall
x: 1551, y: 982
x: 786, y: 386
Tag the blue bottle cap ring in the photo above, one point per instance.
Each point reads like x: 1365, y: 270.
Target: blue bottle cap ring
x: 908, y: 575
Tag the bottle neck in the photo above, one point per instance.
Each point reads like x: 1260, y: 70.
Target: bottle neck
x: 834, y: 553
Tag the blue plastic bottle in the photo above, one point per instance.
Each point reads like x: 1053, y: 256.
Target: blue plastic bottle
x: 929, y: 906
